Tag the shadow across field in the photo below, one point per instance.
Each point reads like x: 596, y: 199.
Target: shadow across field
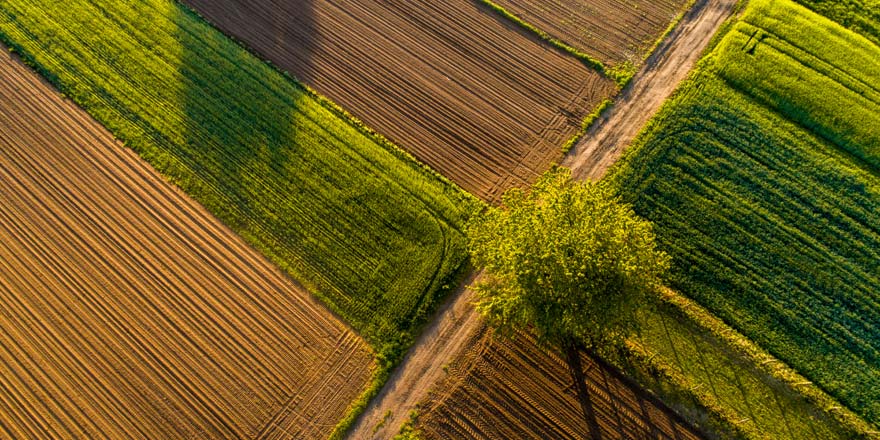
x: 487, y: 105
x: 513, y: 388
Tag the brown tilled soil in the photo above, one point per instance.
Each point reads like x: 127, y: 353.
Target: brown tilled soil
x: 510, y: 388
x: 483, y: 102
x: 612, y: 31
x: 129, y: 312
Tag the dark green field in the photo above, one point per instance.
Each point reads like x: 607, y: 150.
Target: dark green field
x: 761, y: 177
x: 358, y: 222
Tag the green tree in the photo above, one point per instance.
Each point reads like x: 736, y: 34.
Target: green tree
x: 568, y: 260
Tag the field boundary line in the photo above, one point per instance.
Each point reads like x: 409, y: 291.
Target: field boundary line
x: 766, y: 362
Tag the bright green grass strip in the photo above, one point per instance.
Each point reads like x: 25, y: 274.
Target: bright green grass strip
x: 771, y: 228
x: 831, y: 84
x: 862, y: 16
x: 756, y: 394
x: 620, y: 76
x: 363, y: 226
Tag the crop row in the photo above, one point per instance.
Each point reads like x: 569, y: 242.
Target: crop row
x: 773, y: 56
x: 862, y: 16
x: 772, y: 227
x: 359, y: 223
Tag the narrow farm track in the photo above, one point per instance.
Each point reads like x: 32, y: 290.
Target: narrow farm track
x: 130, y: 312
x: 441, y: 343
x: 657, y: 79
x: 456, y: 325
x: 481, y: 101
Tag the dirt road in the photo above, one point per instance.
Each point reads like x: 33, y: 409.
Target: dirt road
x: 454, y: 325
x: 438, y: 345
x: 657, y: 79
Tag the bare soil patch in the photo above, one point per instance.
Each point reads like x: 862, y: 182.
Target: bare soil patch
x: 612, y: 31
x: 501, y: 388
x: 481, y: 101
x: 130, y: 312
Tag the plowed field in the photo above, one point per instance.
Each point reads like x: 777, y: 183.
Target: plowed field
x: 613, y: 31
x: 479, y: 100
x: 504, y: 389
x: 129, y: 312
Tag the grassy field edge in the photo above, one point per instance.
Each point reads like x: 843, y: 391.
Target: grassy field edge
x: 767, y: 363
x: 456, y: 276
x: 588, y: 60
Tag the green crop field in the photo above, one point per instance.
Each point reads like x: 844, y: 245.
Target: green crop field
x: 862, y: 16
x: 359, y: 223
x: 761, y: 176
x: 735, y: 388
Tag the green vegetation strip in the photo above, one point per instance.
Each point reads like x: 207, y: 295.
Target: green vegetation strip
x: 772, y: 227
x: 862, y: 16
x: 371, y: 232
x: 600, y: 109
x: 775, y: 57
x: 747, y: 392
x: 620, y: 75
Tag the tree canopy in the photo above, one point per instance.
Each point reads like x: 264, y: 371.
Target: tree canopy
x: 568, y: 258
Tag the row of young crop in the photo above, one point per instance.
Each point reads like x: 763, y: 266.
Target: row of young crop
x: 862, y: 16
x: 774, y: 57
x: 364, y: 227
x: 727, y: 385
x: 773, y: 236
x: 772, y: 228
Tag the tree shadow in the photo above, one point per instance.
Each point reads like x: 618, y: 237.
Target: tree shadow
x: 360, y: 226
x: 286, y: 31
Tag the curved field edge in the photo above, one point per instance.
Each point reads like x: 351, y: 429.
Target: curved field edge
x: 763, y: 361
x: 650, y: 362
x: 657, y: 358
x: 446, y: 204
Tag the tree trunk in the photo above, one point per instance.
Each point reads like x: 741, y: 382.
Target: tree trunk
x: 573, y: 356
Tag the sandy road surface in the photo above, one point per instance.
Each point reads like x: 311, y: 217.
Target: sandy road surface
x: 657, y: 79
x: 455, y: 323
x: 438, y: 345
x: 128, y: 311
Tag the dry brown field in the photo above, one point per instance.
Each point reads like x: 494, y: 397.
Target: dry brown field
x: 612, y: 31
x: 129, y: 312
x: 503, y: 388
x: 481, y: 101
